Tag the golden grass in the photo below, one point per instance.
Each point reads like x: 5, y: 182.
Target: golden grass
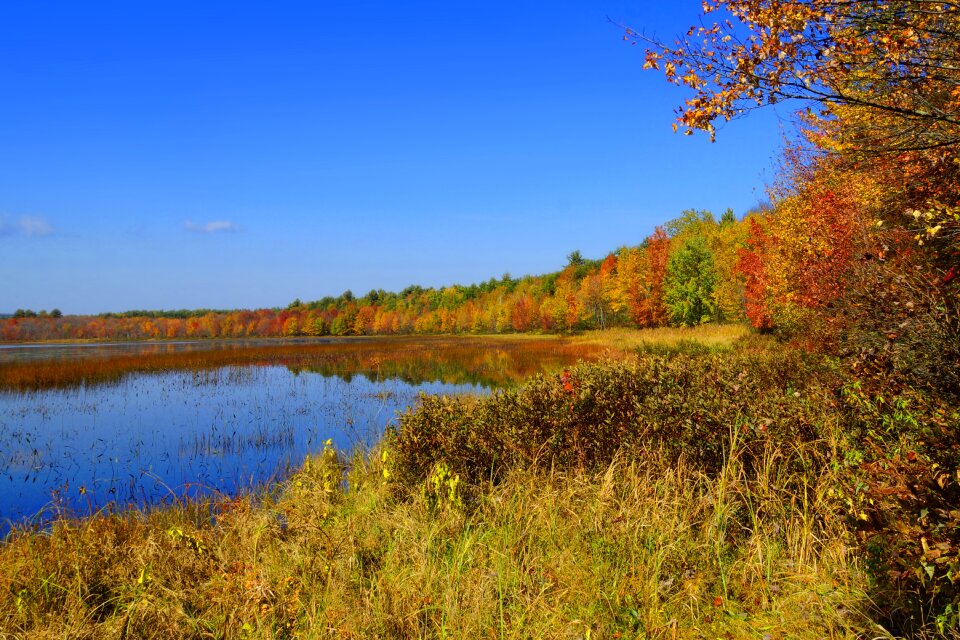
x: 708, y: 335
x: 641, y: 550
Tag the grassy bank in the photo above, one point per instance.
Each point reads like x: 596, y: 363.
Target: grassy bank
x: 721, y: 493
x: 711, y: 336
x: 639, y: 549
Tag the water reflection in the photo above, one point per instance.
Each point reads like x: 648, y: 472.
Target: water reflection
x: 135, y: 424
x: 14, y: 352
x: 155, y: 437
x: 488, y: 361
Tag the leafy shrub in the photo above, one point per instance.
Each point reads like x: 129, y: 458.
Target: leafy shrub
x: 690, y: 406
x: 895, y: 452
x: 902, y: 494
x: 903, y: 327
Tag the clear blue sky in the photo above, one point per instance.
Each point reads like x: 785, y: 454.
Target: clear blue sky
x: 166, y: 154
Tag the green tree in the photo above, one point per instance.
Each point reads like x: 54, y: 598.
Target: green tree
x: 319, y: 327
x: 341, y: 325
x: 689, y: 283
x: 689, y: 221
x: 728, y: 218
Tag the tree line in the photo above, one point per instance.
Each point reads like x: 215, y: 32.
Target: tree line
x: 685, y: 273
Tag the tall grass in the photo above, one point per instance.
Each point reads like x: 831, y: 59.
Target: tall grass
x: 711, y: 336
x: 639, y: 548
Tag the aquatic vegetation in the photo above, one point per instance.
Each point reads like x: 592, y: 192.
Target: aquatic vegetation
x: 148, y: 424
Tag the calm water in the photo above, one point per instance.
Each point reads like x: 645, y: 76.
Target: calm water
x: 74, y: 351
x: 151, y: 437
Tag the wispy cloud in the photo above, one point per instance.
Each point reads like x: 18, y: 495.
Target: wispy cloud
x: 217, y: 226
x: 35, y: 226
x: 29, y: 226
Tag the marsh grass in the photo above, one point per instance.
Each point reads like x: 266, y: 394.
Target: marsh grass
x: 640, y: 548
x: 708, y: 336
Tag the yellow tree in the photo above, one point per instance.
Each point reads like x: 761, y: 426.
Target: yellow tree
x: 628, y: 284
x: 726, y: 242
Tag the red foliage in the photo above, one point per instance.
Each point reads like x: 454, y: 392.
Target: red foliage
x: 751, y: 264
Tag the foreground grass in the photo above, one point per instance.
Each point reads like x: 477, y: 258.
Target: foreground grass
x: 639, y: 549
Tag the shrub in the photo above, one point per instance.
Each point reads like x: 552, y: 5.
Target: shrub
x: 901, y: 493
x: 689, y: 406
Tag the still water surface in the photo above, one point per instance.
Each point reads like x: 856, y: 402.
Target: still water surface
x: 145, y: 436
x: 155, y: 436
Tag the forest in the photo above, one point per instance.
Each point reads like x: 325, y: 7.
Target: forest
x: 801, y: 482
x: 844, y: 257
x: 686, y: 273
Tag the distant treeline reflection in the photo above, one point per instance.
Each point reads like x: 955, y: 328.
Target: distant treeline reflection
x: 488, y: 362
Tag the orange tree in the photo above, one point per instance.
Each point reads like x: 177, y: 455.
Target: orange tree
x: 891, y: 58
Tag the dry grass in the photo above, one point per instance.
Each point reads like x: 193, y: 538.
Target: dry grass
x: 709, y: 335
x: 640, y: 550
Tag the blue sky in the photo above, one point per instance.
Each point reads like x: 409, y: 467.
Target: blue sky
x: 173, y: 154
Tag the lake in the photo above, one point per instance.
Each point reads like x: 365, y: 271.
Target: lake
x: 91, y: 426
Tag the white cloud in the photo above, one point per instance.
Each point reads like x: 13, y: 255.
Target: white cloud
x: 216, y: 226
x: 29, y: 226
x: 34, y: 226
